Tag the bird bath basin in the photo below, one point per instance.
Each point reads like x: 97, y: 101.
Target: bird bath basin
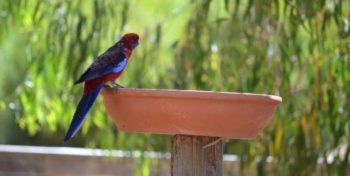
x: 200, y: 113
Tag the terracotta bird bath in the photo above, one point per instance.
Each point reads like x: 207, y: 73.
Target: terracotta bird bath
x: 195, y: 117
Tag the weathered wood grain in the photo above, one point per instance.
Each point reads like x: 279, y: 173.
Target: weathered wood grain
x: 190, y: 158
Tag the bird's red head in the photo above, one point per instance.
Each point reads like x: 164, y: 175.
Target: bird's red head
x: 130, y: 40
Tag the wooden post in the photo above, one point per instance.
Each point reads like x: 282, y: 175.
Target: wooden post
x: 190, y: 156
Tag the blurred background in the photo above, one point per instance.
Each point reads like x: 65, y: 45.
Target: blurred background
x: 299, y: 50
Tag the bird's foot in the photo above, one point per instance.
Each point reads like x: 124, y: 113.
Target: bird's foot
x: 118, y: 86
x: 113, y: 84
x: 108, y: 86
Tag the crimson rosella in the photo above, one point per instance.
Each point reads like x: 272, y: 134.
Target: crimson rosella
x: 107, y: 67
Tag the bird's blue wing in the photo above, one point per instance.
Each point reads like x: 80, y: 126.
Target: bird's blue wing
x: 110, y: 62
x: 96, y: 73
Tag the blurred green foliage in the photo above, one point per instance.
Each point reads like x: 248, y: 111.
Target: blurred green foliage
x: 297, y: 49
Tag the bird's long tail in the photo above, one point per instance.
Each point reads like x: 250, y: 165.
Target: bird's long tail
x: 83, y: 108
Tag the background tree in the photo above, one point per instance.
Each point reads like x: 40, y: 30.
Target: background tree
x: 296, y: 49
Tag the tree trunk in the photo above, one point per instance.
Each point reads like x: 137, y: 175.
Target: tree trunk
x: 191, y: 156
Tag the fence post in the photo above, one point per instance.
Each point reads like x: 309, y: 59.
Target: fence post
x: 191, y: 156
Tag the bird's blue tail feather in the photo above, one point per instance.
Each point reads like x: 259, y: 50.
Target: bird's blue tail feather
x: 83, y: 108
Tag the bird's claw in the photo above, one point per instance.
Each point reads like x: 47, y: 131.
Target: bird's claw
x: 119, y: 86
x: 113, y: 84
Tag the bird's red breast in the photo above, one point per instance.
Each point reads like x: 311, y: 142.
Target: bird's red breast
x: 92, y: 84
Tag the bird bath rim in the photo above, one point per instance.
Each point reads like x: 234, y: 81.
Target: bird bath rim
x: 188, y: 112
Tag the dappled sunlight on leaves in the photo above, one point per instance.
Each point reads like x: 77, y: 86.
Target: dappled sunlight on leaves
x: 297, y: 49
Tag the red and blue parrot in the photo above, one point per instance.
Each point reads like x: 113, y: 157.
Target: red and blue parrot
x: 107, y: 67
